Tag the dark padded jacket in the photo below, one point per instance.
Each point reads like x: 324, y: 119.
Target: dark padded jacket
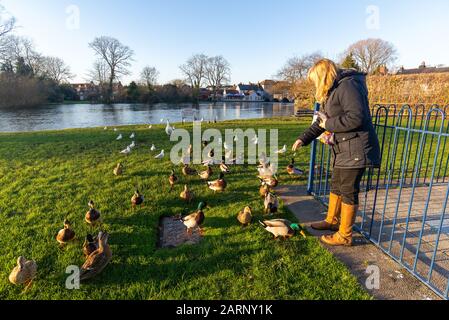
x: 356, y: 143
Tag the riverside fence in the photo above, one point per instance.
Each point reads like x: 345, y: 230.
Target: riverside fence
x: 404, y: 204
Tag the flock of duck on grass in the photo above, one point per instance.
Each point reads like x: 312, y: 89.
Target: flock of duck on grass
x: 96, y: 249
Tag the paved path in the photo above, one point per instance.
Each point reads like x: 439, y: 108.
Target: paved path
x: 395, y: 283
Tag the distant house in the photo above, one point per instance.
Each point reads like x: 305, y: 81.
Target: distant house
x: 204, y: 94
x: 423, y: 68
x: 278, y: 90
x: 92, y: 91
x: 232, y: 94
x: 253, y: 92
x: 85, y: 90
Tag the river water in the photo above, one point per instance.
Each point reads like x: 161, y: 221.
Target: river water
x: 65, y: 116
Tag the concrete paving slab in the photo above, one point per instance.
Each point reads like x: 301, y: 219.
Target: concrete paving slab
x: 395, y: 282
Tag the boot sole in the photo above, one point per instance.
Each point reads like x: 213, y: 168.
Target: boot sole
x: 336, y: 244
x: 325, y: 229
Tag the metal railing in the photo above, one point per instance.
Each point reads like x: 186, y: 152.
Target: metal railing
x: 404, y: 204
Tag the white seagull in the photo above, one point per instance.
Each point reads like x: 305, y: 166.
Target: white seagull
x: 132, y: 136
x: 256, y: 141
x: 120, y: 137
x: 153, y: 148
x: 126, y: 151
x: 283, y: 150
x: 168, y: 129
x: 160, y: 155
x: 132, y: 145
x: 150, y: 126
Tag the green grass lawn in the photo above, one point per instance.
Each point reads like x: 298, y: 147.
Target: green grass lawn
x: 47, y: 176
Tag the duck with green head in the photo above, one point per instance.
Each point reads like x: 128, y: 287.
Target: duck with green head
x: 282, y: 228
x: 196, y: 219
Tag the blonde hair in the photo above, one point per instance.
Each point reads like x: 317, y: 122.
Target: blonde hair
x: 323, y: 75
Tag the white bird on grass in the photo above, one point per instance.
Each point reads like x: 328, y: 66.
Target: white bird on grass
x: 132, y: 145
x: 150, y: 126
x: 132, y: 136
x: 256, y: 141
x: 120, y: 137
x: 283, y: 150
x: 263, y: 160
x: 126, y: 151
x: 115, y: 129
x: 105, y: 128
x: 153, y: 148
x: 160, y: 155
x: 228, y: 154
x: 168, y: 129
x: 266, y: 171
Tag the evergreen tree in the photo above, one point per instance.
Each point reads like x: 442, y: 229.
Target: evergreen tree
x: 350, y: 63
x: 132, y: 92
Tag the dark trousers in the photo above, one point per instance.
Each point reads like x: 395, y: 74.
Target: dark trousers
x: 346, y: 183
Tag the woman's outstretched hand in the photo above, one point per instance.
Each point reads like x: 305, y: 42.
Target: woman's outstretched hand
x: 298, y: 144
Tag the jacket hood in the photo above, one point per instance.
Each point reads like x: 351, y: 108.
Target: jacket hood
x: 346, y: 74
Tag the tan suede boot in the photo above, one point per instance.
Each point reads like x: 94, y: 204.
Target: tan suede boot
x: 333, y: 215
x: 344, y: 236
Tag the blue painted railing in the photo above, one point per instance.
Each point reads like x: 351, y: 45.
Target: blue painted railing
x: 404, y: 204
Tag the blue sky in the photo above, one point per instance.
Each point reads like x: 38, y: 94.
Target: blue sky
x: 255, y: 36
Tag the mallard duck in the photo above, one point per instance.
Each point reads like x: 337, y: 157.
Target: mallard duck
x: 205, y: 175
x: 218, y: 185
x: 281, y: 228
x: 187, y: 171
x: 137, y: 199
x: 293, y: 171
x: 195, y: 220
x: 24, y: 272
x: 172, y: 180
x: 66, y: 234
x: 118, y: 171
x: 90, y: 245
x: 271, y: 203
x: 97, y: 260
x: 224, y: 168
x: 271, y: 182
x: 263, y: 190
x: 187, y: 194
x: 245, y: 216
x: 93, y: 216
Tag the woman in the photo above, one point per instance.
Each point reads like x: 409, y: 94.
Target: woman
x: 343, y: 96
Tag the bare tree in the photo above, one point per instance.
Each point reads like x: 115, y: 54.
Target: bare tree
x: 22, y: 49
x: 218, y: 72
x: 7, y: 23
x: 195, y: 71
x: 297, y: 67
x: 149, y: 76
x: 56, y: 70
x: 99, y: 73
x: 117, y: 56
x: 370, y: 54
